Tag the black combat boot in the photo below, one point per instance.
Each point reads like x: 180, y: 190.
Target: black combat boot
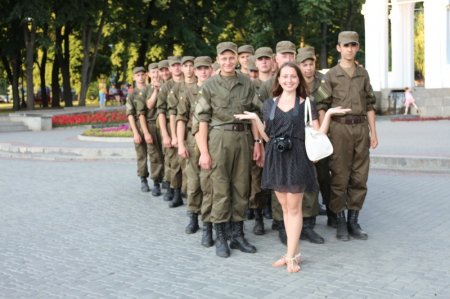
x: 354, y: 229
x: 258, y: 229
x: 250, y: 214
x: 332, y: 218
x: 165, y: 185
x: 144, y: 185
x: 342, y: 231
x: 222, y: 248
x: 192, y: 227
x: 267, y: 211
x: 169, y: 194
x: 228, y: 230
x: 207, y: 238
x: 308, y: 232
x: 279, y: 226
x: 237, y: 238
x: 176, y: 200
x: 156, y: 190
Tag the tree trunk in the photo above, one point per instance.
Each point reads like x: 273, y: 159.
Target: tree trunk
x: 65, y: 69
x: 55, y: 83
x: 16, y: 70
x: 86, y: 39
x: 30, y: 36
x: 143, y: 46
x: 89, y: 61
x: 12, y: 74
x: 44, y: 95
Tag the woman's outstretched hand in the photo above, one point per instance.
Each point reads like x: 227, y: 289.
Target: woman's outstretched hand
x: 338, y: 110
x: 246, y: 115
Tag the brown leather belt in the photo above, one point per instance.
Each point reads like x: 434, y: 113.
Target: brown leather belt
x: 350, y: 119
x: 233, y: 127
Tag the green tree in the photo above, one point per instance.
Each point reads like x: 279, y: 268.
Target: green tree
x: 32, y: 14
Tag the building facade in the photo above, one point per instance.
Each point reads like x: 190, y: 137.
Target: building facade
x: 389, y: 49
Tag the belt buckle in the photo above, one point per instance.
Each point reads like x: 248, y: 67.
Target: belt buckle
x: 353, y: 121
x: 234, y: 127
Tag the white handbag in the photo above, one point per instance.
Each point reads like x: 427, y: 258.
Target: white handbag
x: 317, y: 144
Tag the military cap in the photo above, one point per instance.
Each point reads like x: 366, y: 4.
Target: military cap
x: 152, y: 66
x: 138, y: 69
x: 174, y: 60
x: 187, y: 58
x: 163, y: 64
x: 251, y: 63
x: 285, y: 46
x: 263, y: 52
x: 305, y: 53
x: 226, y: 46
x: 346, y: 37
x: 246, y: 49
x: 202, y: 61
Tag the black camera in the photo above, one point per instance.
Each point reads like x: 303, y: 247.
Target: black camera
x: 283, y: 144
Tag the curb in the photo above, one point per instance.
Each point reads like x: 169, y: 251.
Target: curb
x: 105, y: 139
x: 388, y: 162
x: 60, y: 153
x: 410, y: 163
x: 418, y: 118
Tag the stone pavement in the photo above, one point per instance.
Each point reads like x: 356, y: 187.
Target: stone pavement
x: 83, y: 229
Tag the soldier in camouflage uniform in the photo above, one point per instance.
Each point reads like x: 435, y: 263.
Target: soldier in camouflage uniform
x: 188, y: 150
x: 225, y: 144
x: 135, y: 102
x: 170, y: 152
x: 348, y: 85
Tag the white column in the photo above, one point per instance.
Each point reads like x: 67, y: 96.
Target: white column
x: 376, y: 42
x: 402, y: 41
x: 436, y: 64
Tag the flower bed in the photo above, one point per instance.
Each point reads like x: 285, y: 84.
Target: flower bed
x: 88, y: 118
x: 117, y: 131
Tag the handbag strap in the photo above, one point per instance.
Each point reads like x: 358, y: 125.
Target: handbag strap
x: 308, y: 111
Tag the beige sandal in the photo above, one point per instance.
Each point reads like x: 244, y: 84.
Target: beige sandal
x: 283, y: 261
x: 293, y: 264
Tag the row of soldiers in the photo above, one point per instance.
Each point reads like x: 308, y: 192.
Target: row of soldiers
x: 177, y: 100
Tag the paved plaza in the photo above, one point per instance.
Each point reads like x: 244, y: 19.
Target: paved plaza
x: 82, y: 229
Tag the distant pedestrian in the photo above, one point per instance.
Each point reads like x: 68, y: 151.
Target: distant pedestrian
x: 102, y: 90
x: 409, y: 100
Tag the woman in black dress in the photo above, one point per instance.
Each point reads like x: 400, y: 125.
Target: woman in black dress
x: 287, y: 169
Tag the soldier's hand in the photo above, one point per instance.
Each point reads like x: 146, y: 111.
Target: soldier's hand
x: 260, y: 161
x: 183, y: 152
x: 256, y: 152
x: 148, y: 138
x: 205, y: 161
x: 137, y: 138
x: 373, y: 141
x: 174, y: 142
x: 166, y: 141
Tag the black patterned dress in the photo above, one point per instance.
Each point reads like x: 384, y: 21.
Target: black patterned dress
x: 291, y: 170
